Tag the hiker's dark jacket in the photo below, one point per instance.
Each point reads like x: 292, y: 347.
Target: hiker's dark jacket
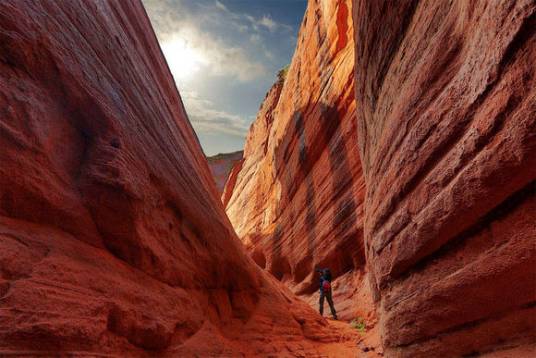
x: 326, y: 276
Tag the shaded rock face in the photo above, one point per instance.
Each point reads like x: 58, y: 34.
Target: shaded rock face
x: 112, y: 235
x: 297, y: 197
x: 447, y: 135
x: 86, y: 153
x: 221, y: 165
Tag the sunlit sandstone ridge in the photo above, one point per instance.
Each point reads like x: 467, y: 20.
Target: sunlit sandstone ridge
x: 446, y: 94
x: 220, y: 166
x: 297, y: 197
x: 112, y: 237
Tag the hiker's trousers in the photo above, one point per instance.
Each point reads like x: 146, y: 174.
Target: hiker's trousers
x: 327, y: 295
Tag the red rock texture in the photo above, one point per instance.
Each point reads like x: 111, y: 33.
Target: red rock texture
x: 113, y: 239
x: 231, y: 182
x: 447, y: 134
x: 297, y: 197
x: 221, y: 165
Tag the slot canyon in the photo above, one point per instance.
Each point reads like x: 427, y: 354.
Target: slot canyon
x: 398, y: 149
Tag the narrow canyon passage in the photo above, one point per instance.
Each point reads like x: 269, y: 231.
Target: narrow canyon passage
x: 410, y: 205
x: 296, y: 199
x: 398, y: 149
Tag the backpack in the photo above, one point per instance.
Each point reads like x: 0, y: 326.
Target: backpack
x: 326, y: 286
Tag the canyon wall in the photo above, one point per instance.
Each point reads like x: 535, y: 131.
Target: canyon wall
x: 296, y: 199
x: 221, y: 165
x: 446, y: 95
x: 113, y: 239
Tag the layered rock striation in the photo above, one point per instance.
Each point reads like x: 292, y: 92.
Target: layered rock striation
x: 296, y: 199
x: 113, y: 239
x: 447, y: 136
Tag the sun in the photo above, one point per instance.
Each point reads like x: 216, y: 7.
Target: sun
x: 183, y: 59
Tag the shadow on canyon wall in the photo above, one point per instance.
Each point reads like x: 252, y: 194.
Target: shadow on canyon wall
x: 296, y: 157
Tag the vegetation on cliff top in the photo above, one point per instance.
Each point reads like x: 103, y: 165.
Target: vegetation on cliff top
x: 282, y: 74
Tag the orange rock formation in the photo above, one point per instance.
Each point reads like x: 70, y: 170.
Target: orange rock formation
x: 220, y: 166
x: 297, y: 197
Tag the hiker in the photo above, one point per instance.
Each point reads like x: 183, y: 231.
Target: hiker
x: 325, y: 291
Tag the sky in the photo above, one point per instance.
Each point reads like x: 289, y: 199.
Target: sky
x: 224, y: 56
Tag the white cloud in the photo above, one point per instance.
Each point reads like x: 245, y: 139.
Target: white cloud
x: 189, y: 49
x: 264, y: 22
x: 206, y: 42
x: 206, y: 118
x: 220, y: 6
x: 184, y: 60
x: 268, y: 23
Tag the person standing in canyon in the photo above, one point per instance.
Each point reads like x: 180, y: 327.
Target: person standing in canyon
x: 325, y: 291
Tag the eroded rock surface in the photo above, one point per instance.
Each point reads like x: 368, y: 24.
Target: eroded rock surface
x: 447, y: 133
x: 113, y: 239
x: 297, y: 197
x: 221, y: 165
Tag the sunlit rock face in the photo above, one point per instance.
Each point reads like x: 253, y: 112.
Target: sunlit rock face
x: 220, y: 166
x: 446, y: 96
x: 297, y: 197
x: 113, y: 238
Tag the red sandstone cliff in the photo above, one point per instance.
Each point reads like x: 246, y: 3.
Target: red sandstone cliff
x: 112, y: 237
x: 221, y: 165
x: 446, y: 96
x: 297, y: 197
